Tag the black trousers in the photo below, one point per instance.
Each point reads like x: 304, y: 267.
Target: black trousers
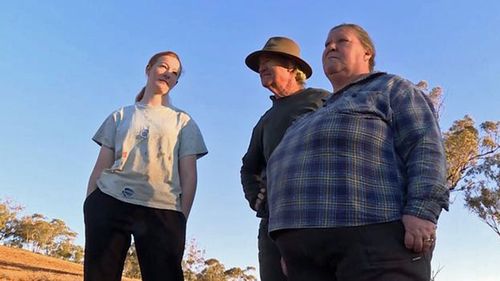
x: 159, y: 237
x: 269, y: 256
x: 365, y: 253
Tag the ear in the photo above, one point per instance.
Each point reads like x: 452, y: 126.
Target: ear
x: 148, y: 68
x: 368, y: 55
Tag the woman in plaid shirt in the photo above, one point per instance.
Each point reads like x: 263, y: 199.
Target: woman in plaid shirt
x: 356, y: 188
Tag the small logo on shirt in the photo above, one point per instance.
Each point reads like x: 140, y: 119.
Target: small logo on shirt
x: 127, y: 192
x: 143, y: 134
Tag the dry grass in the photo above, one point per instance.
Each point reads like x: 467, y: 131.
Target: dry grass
x: 22, y: 265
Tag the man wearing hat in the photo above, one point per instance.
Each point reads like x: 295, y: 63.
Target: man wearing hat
x: 284, y: 73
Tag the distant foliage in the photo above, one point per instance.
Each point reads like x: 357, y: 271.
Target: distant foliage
x: 8, y: 219
x: 38, y: 234
x: 54, y: 238
x: 193, y: 262
x: 435, y: 96
x: 131, y: 268
x: 196, y: 267
x: 473, y: 156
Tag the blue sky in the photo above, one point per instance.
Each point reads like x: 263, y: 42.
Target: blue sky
x: 65, y: 65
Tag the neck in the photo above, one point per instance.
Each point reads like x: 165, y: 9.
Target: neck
x: 339, y: 83
x: 154, y: 99
x: 290, y: 90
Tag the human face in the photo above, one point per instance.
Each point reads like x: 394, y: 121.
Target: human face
x: 275, y: 73
x: 163, y: 74
x: 344, y: 56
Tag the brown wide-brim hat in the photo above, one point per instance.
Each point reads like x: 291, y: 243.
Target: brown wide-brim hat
x: 279, y: 46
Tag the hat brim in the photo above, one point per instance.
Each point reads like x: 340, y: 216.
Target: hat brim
x: 252, y: 61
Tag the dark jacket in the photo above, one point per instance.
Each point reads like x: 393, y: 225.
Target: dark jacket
x: 268, y: 133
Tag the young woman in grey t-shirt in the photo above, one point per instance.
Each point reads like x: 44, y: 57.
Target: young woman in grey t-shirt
x: 143, y: 182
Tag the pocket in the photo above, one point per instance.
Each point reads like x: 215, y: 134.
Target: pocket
x: 384, y: 246
x: 364, y: 104
x: 90, y: 197
x: 183, y: 218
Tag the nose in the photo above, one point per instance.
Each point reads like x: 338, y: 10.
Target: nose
x: 330, y: 47
x: 167, y: 74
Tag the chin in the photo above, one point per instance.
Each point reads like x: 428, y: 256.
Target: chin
x: 162, y: 91
x: 332, y: 70
x: 266, y: 84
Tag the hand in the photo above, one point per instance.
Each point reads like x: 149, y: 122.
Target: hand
x: 260, y: 199
x: 420, y: 234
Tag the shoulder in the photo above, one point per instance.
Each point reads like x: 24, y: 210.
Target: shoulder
x: 402, y: 92
x: 390, y: 84
x: 122, y: 112
x: 316, y: 95
x: 317, y: 91
x: 180, y: 115
x: 393, y: 80
x: 183, y: 118
x: 176, y: 110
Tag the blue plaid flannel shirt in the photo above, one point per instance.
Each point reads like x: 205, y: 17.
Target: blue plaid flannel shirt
x: 373, y: 153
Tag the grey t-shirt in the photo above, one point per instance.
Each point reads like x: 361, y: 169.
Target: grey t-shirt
x: 148, y: 142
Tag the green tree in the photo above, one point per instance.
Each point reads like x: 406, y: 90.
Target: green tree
x: 238, y: 274
x: 473, y: 156
x: 131, y: 268
x: 482, y: 194
x: 213, y: 271
x: 8, y: 220
x: 36, y: 233
x: 59, y: 235
x: 462, y: 151
x: 216, y: 271
x: 197, y: 268
x: 435, y: 95
x: 29, y: 231
x: 193, y: 262
x: 66, y: 250
x: 53, y: 238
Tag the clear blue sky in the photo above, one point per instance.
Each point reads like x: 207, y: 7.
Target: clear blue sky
x: 65, y: 65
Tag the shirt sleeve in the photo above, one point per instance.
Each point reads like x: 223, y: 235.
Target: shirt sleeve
x: 191, y: 141
x: 419, y: 144
x: 253, y: 166
x: 105, y: 135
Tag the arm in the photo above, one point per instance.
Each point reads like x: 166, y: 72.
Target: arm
x: 252, y: 168
x: 419, y: 144
x: 104, y: 160
x: 418, y: 141
x: 188, y: 179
